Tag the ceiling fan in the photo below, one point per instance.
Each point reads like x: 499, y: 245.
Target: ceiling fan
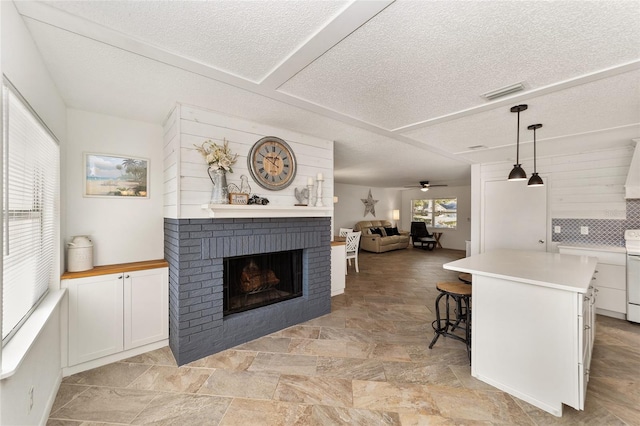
x: 424, y: 185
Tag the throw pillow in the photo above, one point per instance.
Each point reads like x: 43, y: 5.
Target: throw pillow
x: 376, y: 231
x: 390, y: 231
x: 395, y: 231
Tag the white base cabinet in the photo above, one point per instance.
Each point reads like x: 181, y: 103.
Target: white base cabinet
x: 95, y: 317
x: 114, y: 313
x: 610, y: 280
x: 338, y: 267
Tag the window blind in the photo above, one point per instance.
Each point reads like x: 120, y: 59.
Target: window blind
x: 29, y: 206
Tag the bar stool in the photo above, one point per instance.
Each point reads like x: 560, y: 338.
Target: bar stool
x: 465, y: 277
x: 461, y: 295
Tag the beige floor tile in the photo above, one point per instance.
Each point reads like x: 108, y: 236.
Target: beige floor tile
x: 319, y: 347
x: 620, y: 396
x: 60, y: 422
x: 241, y: 384
x: 329, y: 415
x: 267, y: 344
x: 329, y: 320
x: 481, y: 406
x: 371, y: 324
x: 463, y: 373
x: 593, y: 415
x: 315, y: 390
x: 417, y: 419
x: 284, y: 364
x: 394, y: 397
x: 119, y: 374
x: 162, y: 356
x: 346, y: 334
x: 183, y: 410
x: 230, y: 359
x: 66, y: 393
x: 421, y: 373
x: 251, y: 412
x: 351, y: 368
x: 115, y: 405
x: 171, y: 379
x: 299, y: 332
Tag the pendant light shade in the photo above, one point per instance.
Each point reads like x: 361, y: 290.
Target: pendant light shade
x: 535, y: 179
x: 517, y: 173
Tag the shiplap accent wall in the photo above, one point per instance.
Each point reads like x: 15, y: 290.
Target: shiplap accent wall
x: 580, y: 186
x: 586, y: 185
x: 186, y: 183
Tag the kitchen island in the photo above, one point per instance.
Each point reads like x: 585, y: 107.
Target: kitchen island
x: 532, y: 324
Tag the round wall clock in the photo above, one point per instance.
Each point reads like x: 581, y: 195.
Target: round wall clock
x: 272, y: 163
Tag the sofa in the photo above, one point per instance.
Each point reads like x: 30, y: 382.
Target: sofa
x: 381, y: 242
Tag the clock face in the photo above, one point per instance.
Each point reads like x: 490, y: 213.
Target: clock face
x: 272, y: 163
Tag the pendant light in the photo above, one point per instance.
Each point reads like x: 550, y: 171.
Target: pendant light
x: 517, y: 173
x: 535, y: 179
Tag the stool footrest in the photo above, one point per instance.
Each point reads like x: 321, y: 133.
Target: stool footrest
x: 445, y: 326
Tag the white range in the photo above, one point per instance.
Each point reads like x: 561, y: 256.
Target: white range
x: 632, y: 243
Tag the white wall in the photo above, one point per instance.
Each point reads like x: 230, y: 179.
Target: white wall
x: 350, y: 208
x: 587, y: 185
x: 189, y: 125
x: 123, y: 229
x: 23, y: 65
x: 451, y: 238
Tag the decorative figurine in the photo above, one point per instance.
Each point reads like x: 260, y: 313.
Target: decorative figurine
x: 302, y: 195
x: 258, y: 200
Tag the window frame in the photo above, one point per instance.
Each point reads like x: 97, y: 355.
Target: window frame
x: 8, y: 89
x: 431, y: 212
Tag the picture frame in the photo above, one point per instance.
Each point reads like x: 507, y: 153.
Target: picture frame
x: 238, y: 198
x: 115, y: 176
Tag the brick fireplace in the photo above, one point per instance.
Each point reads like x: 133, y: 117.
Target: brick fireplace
x: 196, y: 250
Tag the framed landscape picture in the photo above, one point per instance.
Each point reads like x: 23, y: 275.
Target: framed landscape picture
x: 115, y: 176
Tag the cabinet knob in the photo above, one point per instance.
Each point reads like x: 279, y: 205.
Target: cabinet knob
x: 595, y: 290
x: 120, y: 277
x: 586, y: 327
x: 586, y: 298
x: 597, y: 271
x: 126, y: 276
x: 540, y: 241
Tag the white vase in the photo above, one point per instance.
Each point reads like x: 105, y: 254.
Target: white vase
x: 219, y: 194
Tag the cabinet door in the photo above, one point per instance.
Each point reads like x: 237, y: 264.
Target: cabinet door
x: 146, y: 307
x: 95, y: 317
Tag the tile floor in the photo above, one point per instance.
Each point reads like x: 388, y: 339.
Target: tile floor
x: 366, y: 363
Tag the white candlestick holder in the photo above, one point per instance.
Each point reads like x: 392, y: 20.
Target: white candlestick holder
x: 319, y: 194
x: 310, y: 192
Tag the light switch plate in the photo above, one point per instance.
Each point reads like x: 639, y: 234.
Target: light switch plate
x: 556, y: 229
x: 584, y: 230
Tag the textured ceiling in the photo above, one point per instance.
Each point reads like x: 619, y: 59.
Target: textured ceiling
x: 392, y: 83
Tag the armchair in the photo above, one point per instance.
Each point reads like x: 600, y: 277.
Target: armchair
x: 420, y: 235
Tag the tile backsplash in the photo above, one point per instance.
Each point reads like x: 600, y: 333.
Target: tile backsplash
x: 601, y: 231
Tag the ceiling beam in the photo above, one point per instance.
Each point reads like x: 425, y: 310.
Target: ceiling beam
x: 344, y: 23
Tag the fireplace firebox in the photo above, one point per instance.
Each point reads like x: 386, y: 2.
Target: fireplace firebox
x: 261, y: 279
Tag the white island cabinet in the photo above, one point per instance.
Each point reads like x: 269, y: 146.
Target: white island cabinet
x: 532, y: 324
x: 115, y: 312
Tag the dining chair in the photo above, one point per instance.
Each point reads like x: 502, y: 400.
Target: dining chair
x: 352, y: 244
x: 343, y: 231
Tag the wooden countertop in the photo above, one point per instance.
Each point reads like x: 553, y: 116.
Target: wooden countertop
x: 116, y: 268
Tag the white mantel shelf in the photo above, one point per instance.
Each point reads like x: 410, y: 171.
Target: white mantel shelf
x: 231, y: 211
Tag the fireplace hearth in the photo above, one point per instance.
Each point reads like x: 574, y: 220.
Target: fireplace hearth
x: 258, y: 280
